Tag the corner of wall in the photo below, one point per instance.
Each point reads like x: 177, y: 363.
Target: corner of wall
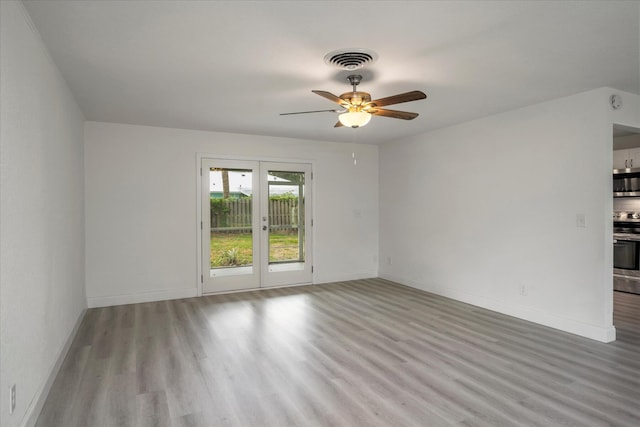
x: 534, y: 144
x: 43, y: 286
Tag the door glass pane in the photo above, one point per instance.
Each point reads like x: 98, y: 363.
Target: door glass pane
x: 230, y: 196
x: 286, y: 217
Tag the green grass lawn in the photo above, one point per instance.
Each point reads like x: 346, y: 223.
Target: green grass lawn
x: 235, y: 249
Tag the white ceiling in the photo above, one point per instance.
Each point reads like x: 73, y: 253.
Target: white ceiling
x: 233, y: 66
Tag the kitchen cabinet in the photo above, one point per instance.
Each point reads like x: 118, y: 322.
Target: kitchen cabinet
x: 628, y: 158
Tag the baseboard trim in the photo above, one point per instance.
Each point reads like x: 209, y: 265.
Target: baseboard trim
x: 345, y: 277
x: 33, y: 412
x: 108, y: 301
x: 598, y: 333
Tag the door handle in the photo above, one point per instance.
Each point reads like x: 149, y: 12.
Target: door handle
x: 264, y: 227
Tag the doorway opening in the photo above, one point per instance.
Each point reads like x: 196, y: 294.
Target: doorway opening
x: 626, y: 222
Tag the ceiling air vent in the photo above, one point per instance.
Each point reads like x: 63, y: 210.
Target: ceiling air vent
x: 350, y: 59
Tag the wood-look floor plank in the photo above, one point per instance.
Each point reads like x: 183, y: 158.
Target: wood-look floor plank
x: 357, y: 353
x: 152, y: 410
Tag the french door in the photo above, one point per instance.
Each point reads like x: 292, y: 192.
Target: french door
x: 256, y: 220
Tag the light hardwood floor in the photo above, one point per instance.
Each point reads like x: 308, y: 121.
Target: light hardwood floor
x: 366, y: 352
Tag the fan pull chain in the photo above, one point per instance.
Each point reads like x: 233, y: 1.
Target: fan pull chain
x: 354, y: 140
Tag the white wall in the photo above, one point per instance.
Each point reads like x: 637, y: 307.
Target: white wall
x: 42, y: 294
x: 140, y: 187
x: 479, y: 210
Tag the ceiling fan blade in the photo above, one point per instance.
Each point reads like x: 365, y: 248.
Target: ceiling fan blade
x: 338, y: 124
x: 398, y: 99
x: 405, y: 115
x: 314, y: 111
x: 331, y: 97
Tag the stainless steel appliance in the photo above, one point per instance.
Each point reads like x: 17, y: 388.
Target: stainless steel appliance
x: 626, y: 182
x: 626, y: 251
x: 625, y: 254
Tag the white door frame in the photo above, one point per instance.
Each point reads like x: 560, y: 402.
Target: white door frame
x: 199, y: 217
x: 232, y: 278
x: 271, y: 274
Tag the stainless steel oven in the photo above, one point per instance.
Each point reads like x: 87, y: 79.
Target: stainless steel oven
x: 625, y: 254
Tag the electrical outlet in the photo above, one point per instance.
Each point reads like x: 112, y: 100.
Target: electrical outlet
x: 12, y: 398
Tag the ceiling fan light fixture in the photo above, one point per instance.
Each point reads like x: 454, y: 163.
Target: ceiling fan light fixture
x: 354, y: 119
x: 358, y: 107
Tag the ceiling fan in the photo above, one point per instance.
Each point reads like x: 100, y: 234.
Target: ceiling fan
x: 357, y: 107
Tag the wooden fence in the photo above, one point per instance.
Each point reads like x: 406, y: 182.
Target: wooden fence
x: 235, y: 214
